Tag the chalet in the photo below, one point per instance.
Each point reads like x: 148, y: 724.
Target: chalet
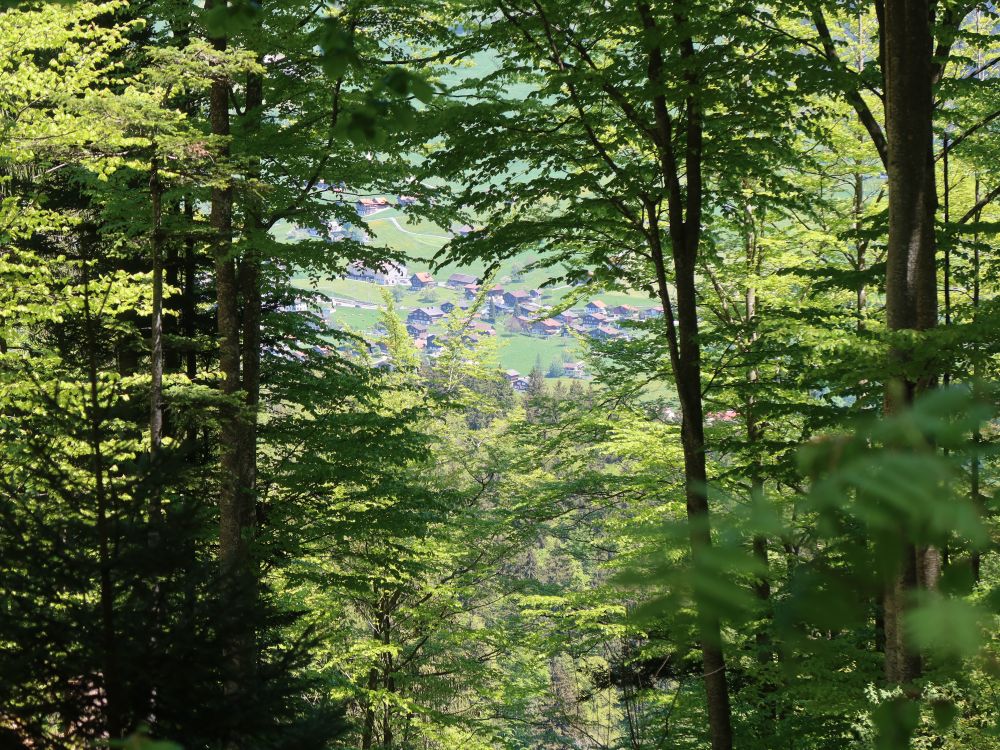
x: 421, y: 280
x: 530, y: 308
x: 388, y: 273
x: 425, y: 315
x: 515, y: 297
x: 407, y: 200
x: 392, y: 274
x: 471, y: 290
x: 625, y: 311
x: 651, y: 312
x: 416, y: 330
x: 483, y: 329
x: 298, y: 305
x: 593, y: 320
x: 596, y: 306
x: 521, y: 385
x: 447, y: 307
x: 511, y: 375
x: 568, y: 316
x: 460, y: 280
x: 360, y: 272
x: 605, y: 333
x: 368, y: 206
x: 519, y: 323
x: 334, y: 230
x: 495, y: 294
x: 574, y: 370
x: 546, y: 327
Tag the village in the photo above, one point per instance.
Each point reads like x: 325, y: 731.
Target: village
x: 519, y: 311
x: 520, y: 314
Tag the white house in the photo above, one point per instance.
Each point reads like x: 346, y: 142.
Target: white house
x: 387, y: 273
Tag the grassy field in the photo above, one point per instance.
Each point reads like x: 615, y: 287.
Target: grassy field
x: 359, y: 321
x: 521, y: 353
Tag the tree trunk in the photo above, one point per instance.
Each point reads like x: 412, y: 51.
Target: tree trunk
x: 249, y: 281
x: 156, y: 344
x: 368, y: 727
x: 977, y: 437
x: 911, y: 279
x: 686, y: 362
x: 114, y: 697
x: 189, y: 294
x: 861, y: 247
x: 235, y: 530
x: 684, y: 211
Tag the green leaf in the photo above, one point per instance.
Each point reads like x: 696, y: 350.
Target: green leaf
x: 946, y: 626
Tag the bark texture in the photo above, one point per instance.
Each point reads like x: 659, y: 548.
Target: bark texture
x: 911, y: 277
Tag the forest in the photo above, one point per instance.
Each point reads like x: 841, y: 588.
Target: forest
x: 752, y: 502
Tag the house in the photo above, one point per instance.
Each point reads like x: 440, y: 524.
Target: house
x: 568, y: 316
x: 484, y: 329
x: 386, y: 273
x: 460, y: 280
x: 494, y: 297
x: 298, y: 305
x: 593, y: 320
x: 421, y: 280
x: 447, y: 307
x: 515, y: 297
x: 368, y: 206
x: 511, y: 375
x: 596, y: 306
x: 360, y: 272
x: 574, y: 370
x: 392, y: 274
x: 521, y: 385
x: 406, y: 200
x: 605, y: 332
x: 625, y: 311
x: 651, y: 312
x: 530, y: 308
x: 471, y: 290
x: 416, y: 330
x: 425, y: 315
x: 519, y: 323
x: 547, y: 327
